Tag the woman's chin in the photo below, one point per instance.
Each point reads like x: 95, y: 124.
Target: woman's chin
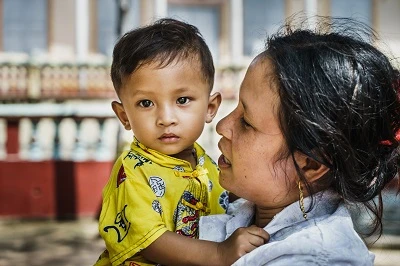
x: 224, y: 181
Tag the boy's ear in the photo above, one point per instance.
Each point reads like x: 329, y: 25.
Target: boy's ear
x: 311, y: 169
x: 213, y: 104
x: 121, y: 114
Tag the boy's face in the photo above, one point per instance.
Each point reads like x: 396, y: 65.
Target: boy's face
x: 166, y: 108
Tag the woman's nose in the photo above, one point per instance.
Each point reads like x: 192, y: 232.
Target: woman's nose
x: 224, y: 126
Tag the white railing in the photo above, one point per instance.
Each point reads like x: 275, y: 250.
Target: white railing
x: 65, y: 131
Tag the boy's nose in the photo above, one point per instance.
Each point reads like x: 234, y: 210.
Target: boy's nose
x: 166, y: 117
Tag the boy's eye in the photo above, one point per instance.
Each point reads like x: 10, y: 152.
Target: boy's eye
x: 146, y: 103
x: 182, y: 100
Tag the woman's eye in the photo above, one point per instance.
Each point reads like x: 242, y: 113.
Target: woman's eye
x: 182, y: 100
x: 244, y: 123
x: 145, y: 103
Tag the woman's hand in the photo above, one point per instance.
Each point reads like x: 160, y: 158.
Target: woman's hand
x: 241, y: 242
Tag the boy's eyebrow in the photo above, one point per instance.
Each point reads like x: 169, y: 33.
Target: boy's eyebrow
x: 136, y: 92
x: 182, y: 89
x: 145, y: 92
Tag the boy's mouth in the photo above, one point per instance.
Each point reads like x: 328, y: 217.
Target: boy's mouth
x: 168, y: 138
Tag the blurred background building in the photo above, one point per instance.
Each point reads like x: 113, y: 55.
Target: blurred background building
x: 58, y: 134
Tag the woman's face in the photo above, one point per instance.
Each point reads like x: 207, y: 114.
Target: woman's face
x: 252, y: 142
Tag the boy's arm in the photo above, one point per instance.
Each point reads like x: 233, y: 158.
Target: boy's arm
x: 173, y: 249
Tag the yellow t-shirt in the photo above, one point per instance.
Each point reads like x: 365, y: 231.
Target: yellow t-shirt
x: 149, y: 193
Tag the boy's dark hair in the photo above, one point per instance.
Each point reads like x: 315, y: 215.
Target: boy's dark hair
x: 339, y: 105
x: 163, y: 41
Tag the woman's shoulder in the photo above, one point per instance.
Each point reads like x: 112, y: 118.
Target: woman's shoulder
x: 329, y: 241
x: 329, y: 232
x: 324, y: 240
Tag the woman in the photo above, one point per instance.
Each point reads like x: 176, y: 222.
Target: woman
x: 314, y: 130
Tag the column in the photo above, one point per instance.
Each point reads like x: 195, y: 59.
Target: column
x: 311, y: 8
x: 236, y: 21
x: 82, y: 28
x: 160, y: 8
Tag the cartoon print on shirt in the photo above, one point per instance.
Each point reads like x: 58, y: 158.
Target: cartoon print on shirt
x: 141, y: 160
x: 187, y: 215
x: 224, y: 200
x: 179, y: 168
x: 157, y: 184
x: 210, y: 185
x: 123, y: 224
x: 121, y: 175
x: 156, y: 206
x: 201, y: 160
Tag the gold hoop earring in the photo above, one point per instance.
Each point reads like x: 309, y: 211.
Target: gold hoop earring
x: 301, y: 201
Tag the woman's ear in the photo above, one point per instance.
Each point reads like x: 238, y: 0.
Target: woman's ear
x: 213, y: 104
x: 311, y: 169
x: 121, y: 114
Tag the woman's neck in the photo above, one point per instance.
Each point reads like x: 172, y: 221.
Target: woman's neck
x: 265, y: 215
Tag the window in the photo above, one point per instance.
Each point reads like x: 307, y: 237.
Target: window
x: 115, y: 17
x: 25, y: 26
x: 360, y: 10
x: 205, y: 18
x: 259, y: 19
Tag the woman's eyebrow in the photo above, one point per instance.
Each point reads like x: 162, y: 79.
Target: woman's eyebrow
x: 244, y: 105
x: 246, y: 109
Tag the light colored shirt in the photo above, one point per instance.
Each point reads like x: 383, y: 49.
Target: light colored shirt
x: 327, y: 236
x: 149, y: 193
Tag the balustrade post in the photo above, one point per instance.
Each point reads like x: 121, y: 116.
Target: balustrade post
x: 102, y: 151
x: 80, y: 151
x: 57, y: 142
x: 35, y: 151
x: 33, y: 82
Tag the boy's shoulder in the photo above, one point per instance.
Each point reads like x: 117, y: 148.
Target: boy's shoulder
x: 200, y: 151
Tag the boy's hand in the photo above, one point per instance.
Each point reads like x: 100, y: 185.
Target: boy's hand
x: 241, y: 242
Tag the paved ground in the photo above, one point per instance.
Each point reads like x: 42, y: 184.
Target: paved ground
x: 49, y: 243
x: 387, y: 251
x: 76, y: 243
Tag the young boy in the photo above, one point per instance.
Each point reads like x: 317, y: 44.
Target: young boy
x: 163, y: 75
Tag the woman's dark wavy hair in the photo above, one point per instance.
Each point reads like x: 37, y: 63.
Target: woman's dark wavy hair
x: 162, y: 42
x: 339, y: 104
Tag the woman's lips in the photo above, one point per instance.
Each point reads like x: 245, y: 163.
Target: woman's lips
x: 223, y: 162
